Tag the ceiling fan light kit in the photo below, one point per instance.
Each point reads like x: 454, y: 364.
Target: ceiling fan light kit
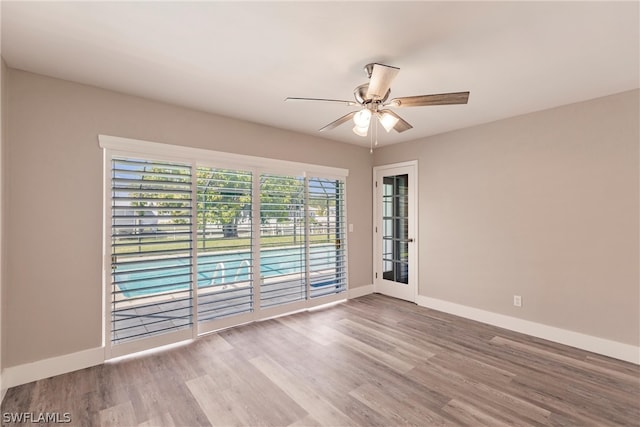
x: 361, y: 131
x: 372, y: 97
x: 362, y: 118
x: 387, y: 120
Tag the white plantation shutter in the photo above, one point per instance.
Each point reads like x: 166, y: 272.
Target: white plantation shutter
x: 328, y: 239
x: 282, y: 240
x: 225, y: 243
x: 151, y: 243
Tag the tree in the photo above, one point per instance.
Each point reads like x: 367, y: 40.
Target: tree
x: 165, y: 191
x: 224, y: 197
x: 282, y: 200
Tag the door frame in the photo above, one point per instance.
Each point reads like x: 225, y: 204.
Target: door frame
x: 411, y: 168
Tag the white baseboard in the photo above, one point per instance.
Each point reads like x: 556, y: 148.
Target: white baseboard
x: 617, y: 350
x: 360, y: 291
x: 22, y: 374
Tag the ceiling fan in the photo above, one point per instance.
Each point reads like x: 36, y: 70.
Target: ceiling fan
x: 373, y: 96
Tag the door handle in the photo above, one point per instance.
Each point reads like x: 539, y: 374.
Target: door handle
x: 410, y: 240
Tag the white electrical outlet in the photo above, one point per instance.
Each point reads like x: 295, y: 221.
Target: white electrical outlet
x: 517, y: 300
x: 350, y: 228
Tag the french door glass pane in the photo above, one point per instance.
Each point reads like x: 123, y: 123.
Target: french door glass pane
x: 225, y: 262
x: 150, y: 248
x: 395, y: 229
x: 282, y: 240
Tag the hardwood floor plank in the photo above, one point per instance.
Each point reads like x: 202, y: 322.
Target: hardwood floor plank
x: 303, y: 328
x: 559, y: 397
x: 162, y: 420
x: 158, y: 396
x: 406, y: 350
x: 333, y: 370
x: 119, y: 415
x: 396, y: 409
x: 595, y: 372
x: 305, y: 396
x: 486, y: 397
x: 473, y: 368
x: 470, y: 415
x: 367, y: 350
x: 307, y: 421
x: 212, y: 400
x: 239, y: 391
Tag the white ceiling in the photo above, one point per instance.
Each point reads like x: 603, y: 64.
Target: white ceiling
x: 241, y: 59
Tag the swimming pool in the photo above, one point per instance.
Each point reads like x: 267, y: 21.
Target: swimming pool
x: 149, y: 277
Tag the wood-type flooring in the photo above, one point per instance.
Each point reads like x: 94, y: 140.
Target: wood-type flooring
x: 371, y: 361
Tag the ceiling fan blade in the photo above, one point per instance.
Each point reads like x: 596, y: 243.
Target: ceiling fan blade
x: 339, y: 101
x: 380, y: 81
x: 402, y: 125
x: 424, y: 100
x: 338, y: 122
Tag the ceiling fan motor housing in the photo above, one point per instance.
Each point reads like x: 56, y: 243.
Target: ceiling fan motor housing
x: 360, y: 93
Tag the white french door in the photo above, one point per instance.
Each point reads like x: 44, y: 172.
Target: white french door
x: 395, y: 230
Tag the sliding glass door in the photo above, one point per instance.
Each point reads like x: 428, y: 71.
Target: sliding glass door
x: 194, y: 248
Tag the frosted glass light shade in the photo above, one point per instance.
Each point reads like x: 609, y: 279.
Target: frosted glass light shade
x: 360, y: 131
x: 388, y: 121
x: 362, y: 118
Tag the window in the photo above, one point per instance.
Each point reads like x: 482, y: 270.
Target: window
x: 199, y: 245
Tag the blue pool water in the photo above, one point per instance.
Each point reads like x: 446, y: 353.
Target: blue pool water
x: 149, y: 277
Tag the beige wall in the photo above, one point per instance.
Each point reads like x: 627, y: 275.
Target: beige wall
x: 543, y: 205
x: 54, y: 199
